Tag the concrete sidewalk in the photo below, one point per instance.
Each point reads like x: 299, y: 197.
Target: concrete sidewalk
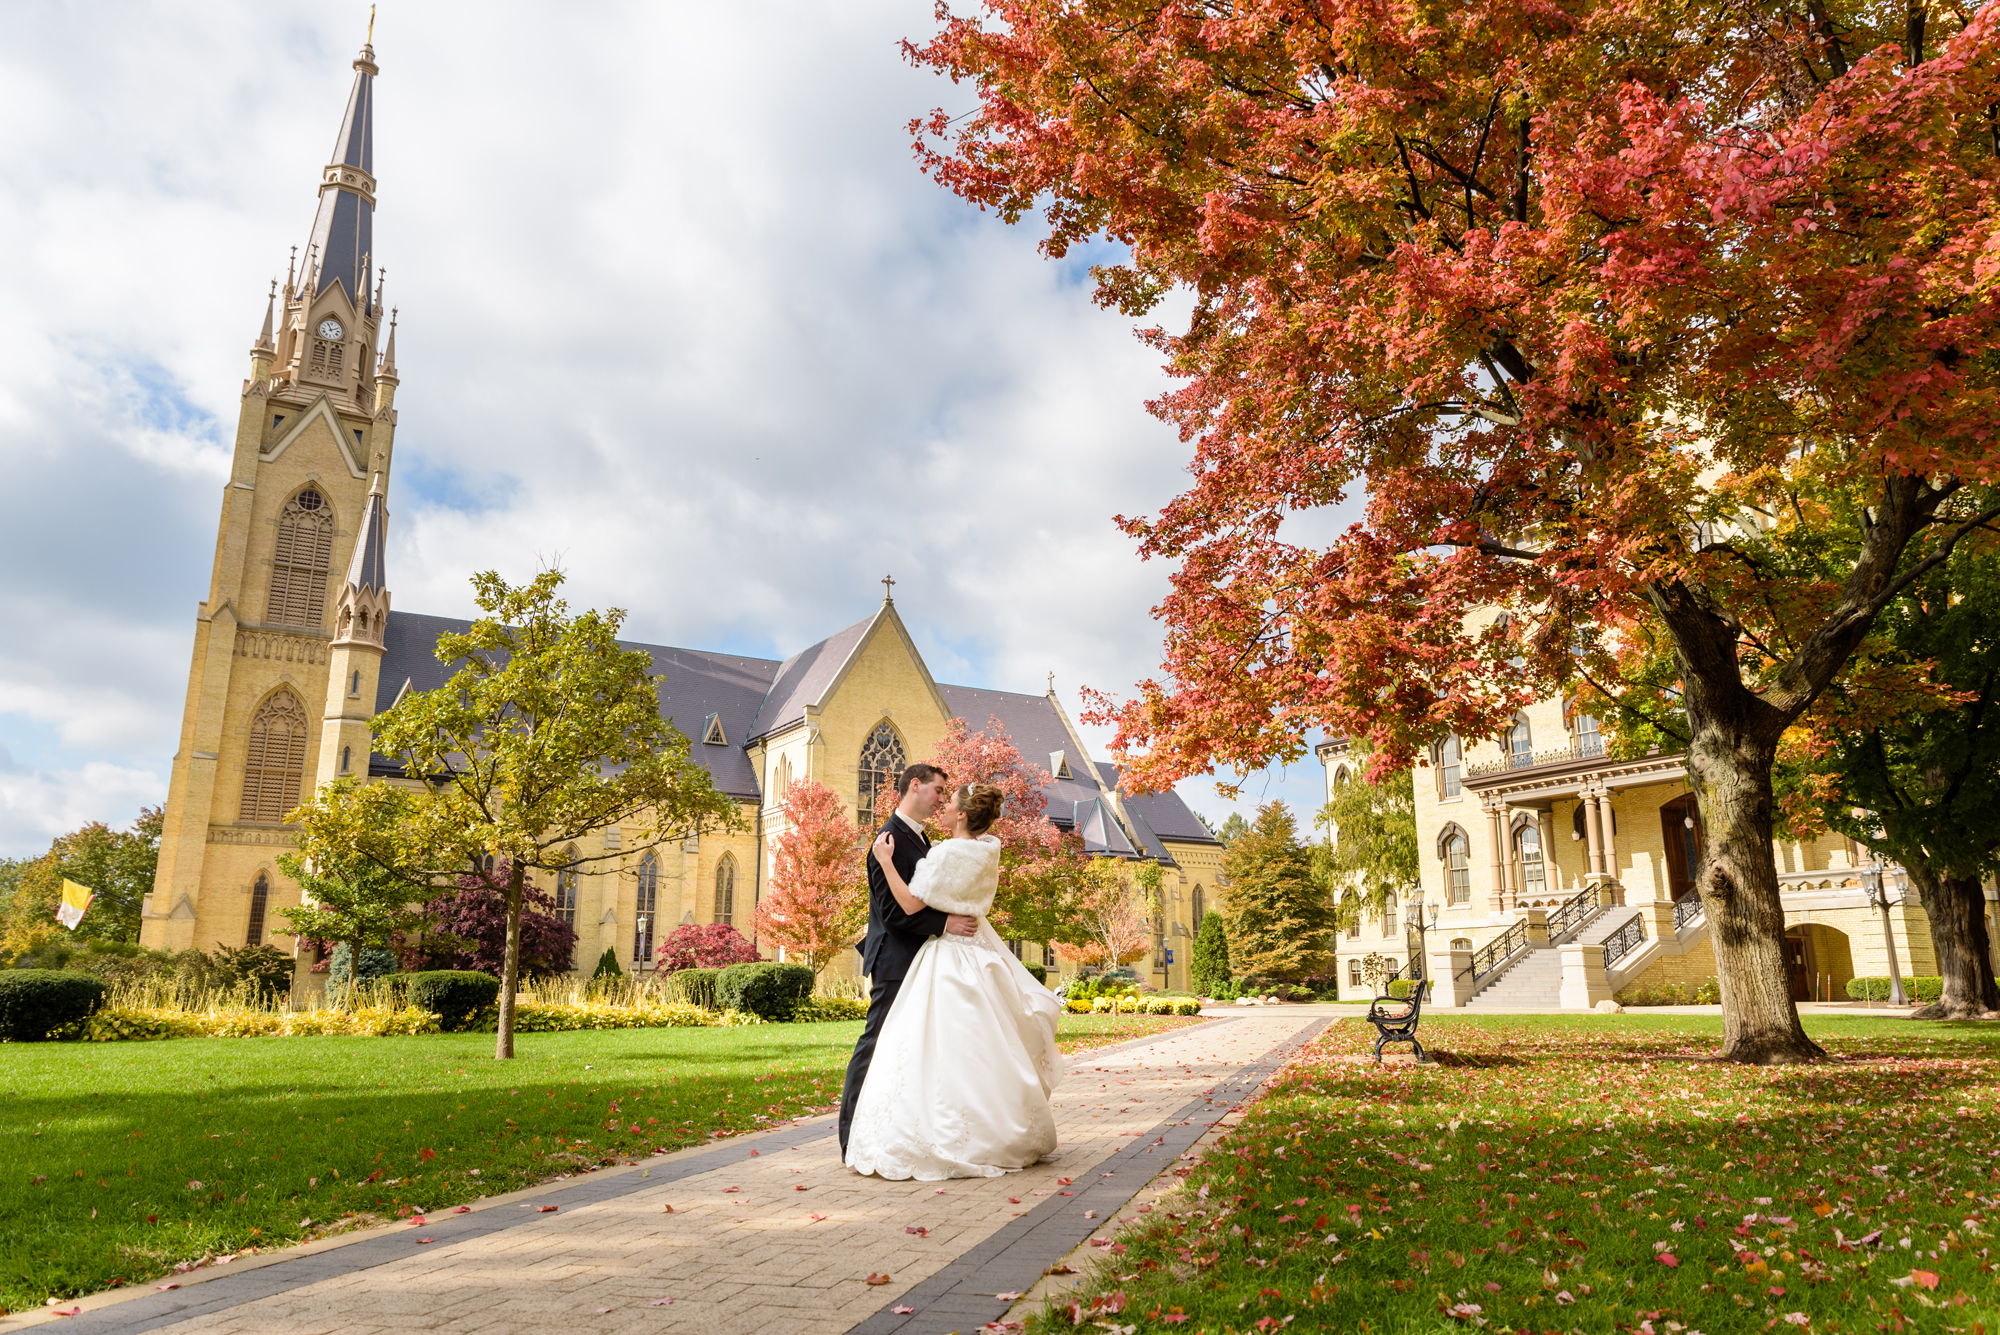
x: 760, y: 1235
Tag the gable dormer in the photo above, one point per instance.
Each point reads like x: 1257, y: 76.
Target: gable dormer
x: 1059, y: 765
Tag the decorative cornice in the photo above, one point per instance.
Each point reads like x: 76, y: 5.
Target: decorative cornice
x: 1570, y: 775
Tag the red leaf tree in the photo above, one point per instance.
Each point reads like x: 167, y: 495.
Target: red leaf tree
x: 818, y: 900
x: 1044, y: 873
x: 1612, y: 309
x: 704, y: 945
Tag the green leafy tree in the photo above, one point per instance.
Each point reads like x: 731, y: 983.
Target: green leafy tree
x: 1231, y: 829
x: 548, y: 730
x: 1209, y: 969
x: 118, y: 865
x: 349, y: 897
x: 1918, y: 782
x: 1371, y: 849
x: 1280, y: 924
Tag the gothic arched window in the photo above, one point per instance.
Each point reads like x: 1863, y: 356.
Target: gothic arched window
x: 881, y: 764
x: 276, y: 761
x: 301, y: 562
x: 1198, y: 908
x: 1528, y: 845
x: 566, y: 887
x: 646, y: 911
x: 725, y: 891
x: 1455, y: 851
x: 260, y: 900
x: 783, y: 784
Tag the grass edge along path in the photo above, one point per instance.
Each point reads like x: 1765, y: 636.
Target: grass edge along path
x: 1572, y: 1173
x: 121, y: 1163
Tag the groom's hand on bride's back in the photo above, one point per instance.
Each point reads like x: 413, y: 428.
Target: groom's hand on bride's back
x: 962, y: 924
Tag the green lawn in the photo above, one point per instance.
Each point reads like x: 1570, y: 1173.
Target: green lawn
x: 119, y: 1161
x: 1587, y: 1173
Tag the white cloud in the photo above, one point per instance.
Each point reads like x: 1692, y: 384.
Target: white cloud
x: 677, y: 306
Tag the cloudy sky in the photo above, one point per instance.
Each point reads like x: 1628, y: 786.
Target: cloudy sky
x: 678, y: 311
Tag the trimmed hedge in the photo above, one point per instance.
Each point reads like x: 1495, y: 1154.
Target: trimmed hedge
x: 1877, y: 989
x: 819, y: 1009
x: 696, y: 987
x: 1040, y: 971
x: 768, y: 991
x: 35, y: 1003
x: 455, y: 996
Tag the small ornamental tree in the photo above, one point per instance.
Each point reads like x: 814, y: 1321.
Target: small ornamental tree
x: 549, y: 729
x: 1113, y: 916
x: 817, y: 902
x: 1209, y: 968
x: 710, y: 945
x: 1586, y: 301
x: 351, y: 900
x: 1044, y: 872
x: 1280, y: 924
x: 467, y: 929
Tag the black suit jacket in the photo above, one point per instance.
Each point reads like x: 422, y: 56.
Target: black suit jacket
x: 894, y: 937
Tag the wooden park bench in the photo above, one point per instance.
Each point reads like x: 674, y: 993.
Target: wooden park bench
x: 1395, y: 1020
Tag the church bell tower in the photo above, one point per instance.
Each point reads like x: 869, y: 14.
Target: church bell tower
x: 314, y: 450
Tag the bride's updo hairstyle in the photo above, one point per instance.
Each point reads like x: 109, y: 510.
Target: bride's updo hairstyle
x: 981, y: 804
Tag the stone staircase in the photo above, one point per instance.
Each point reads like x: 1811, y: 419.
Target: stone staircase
x: 1534, y: 980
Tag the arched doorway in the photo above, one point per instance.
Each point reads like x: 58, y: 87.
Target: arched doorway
x: 1819, y: 961
x: 1680, y: 831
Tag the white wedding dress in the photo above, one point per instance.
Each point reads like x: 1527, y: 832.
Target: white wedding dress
x: 960, y: 1081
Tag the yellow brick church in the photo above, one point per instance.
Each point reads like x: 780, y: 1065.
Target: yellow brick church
x: 296, y: 648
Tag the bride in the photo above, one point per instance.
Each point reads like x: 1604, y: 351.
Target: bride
x: 959, y: 1085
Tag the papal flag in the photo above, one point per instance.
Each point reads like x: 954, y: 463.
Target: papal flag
x: 76, y: 898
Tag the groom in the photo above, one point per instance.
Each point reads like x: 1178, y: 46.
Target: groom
x: 894, y: 937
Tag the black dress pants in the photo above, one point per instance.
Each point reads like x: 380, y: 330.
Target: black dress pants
x: 881, y: 996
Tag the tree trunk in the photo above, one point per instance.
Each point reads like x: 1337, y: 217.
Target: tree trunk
x: 1956, y: 906
x: 1738, y: 881
x: 510, y: 968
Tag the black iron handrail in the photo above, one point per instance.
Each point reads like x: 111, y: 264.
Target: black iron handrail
x: 1625, y: 941
x: 1591, y: 748
x: 1571, y: 915
x: 1496, y: 951
x: 1686, y: 911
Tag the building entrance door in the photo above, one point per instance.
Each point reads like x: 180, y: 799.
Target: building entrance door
x: 1798, y: 966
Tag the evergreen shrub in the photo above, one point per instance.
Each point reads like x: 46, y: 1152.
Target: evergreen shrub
x: 768, y: 991
x: 455, y: 996
x: 608, y: 969
x: 1040, y: 971
x: 1877, y: 988
x: 820, y: 1009
x: 1209, y: 968
x: 35, y: 1003
x: 695, y: 987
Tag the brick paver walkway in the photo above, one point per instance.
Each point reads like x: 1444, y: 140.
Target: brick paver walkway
x: 778, y: 1241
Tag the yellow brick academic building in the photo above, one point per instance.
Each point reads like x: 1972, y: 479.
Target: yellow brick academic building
x: 297, y: 648
x: 1556, y: 876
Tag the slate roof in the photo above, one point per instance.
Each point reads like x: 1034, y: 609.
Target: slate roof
x: 753, y: 697
x: 803, y: 679
x: 369, y: 568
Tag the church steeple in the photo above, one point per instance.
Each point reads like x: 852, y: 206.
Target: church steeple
x: 343, y: 234
x: 332, y: 307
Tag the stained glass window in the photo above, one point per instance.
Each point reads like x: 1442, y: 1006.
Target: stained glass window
x: 881, y: 763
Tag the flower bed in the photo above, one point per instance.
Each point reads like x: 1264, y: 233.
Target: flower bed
x: 128, y: 1023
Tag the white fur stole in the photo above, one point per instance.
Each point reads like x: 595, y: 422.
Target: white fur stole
x: 959, y: 875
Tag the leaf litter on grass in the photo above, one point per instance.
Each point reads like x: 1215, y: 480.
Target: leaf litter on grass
x: 1564, y: 1173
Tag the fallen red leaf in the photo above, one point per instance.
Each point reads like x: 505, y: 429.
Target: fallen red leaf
x: 65, y: 1311
x: 874, y: 1278
x: 1008, y: 1297
x: 1670, y: 1261
x: 817, y: 1218
x: 1013, y: 1200
x: 462, y: 1209
x: 549, y: 1209
x: 1926, y: 1278
x: 902, y: 1311
x: 422, y: 1241
x: 164, y: 1287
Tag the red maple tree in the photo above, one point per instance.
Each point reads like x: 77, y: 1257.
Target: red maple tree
x: 818, y: 900
x: 1611, y: 308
